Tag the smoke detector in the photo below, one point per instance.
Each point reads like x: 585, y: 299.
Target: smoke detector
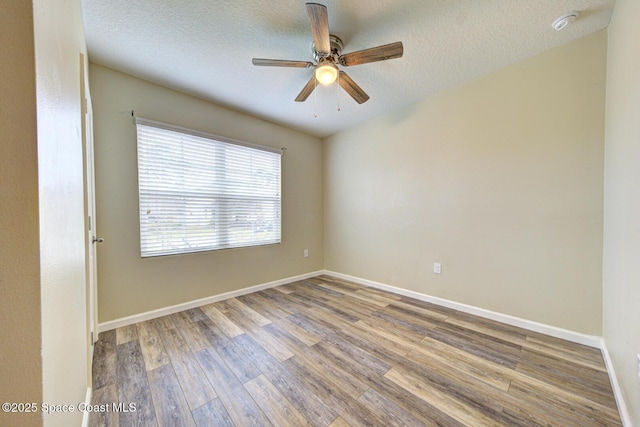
x: 564, y: 21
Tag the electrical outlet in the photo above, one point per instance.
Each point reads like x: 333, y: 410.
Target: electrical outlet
x: 306, y: 253
x: 437, y: 268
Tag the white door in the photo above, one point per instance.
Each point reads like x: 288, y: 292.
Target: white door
x: 90, y: 216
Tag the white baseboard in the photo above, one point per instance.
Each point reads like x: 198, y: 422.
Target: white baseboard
x: 577, y: 337
x: 87, y: 402
x: 148, y: 315
x: 617, y: 392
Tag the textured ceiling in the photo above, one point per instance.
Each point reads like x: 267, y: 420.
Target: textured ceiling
x: 204, y: 48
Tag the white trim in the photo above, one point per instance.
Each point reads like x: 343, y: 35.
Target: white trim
x: 87, y: 402
x: 576, y: 337
x: 148, y: 315
x: 617, y: 391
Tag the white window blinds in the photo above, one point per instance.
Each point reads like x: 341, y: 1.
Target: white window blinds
x: 198, y: 193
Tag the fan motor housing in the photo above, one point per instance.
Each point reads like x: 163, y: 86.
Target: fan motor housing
x: 336, y: 49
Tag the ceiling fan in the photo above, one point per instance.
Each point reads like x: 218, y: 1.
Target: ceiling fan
x: 327, y: 53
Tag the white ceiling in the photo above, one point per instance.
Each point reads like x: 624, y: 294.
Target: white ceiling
x: 204, y: 48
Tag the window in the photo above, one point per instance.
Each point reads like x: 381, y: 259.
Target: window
x: 198, y: 192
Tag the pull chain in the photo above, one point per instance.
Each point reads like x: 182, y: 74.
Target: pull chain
x: 338, y: 90
x: 315, y: 98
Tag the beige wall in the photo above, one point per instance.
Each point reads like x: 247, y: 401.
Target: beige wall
x: 59, y: 41
x: 621, y: 268
x: 499, y: 179
x: 20, y: 334
x: 130, y: 285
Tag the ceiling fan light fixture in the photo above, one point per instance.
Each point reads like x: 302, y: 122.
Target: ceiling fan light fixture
x: 327, y: 54
x: 326, y: 73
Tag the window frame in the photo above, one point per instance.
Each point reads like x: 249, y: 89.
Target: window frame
x: 223, y: 201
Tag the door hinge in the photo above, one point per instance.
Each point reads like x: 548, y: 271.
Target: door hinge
x: 92, y: 338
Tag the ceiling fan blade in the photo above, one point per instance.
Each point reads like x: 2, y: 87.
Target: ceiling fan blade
x: 319, y: 27
x: 352, y: 88
x: 306, y: 90
x: 280, y: 63
x: 379, y: 53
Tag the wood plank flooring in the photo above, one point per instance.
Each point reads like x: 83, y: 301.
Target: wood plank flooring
x: 327, y: 352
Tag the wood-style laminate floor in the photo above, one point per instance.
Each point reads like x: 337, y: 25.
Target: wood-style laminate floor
x: 326, y: 352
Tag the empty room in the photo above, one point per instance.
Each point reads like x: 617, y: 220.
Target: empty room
x: 331, y: 213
